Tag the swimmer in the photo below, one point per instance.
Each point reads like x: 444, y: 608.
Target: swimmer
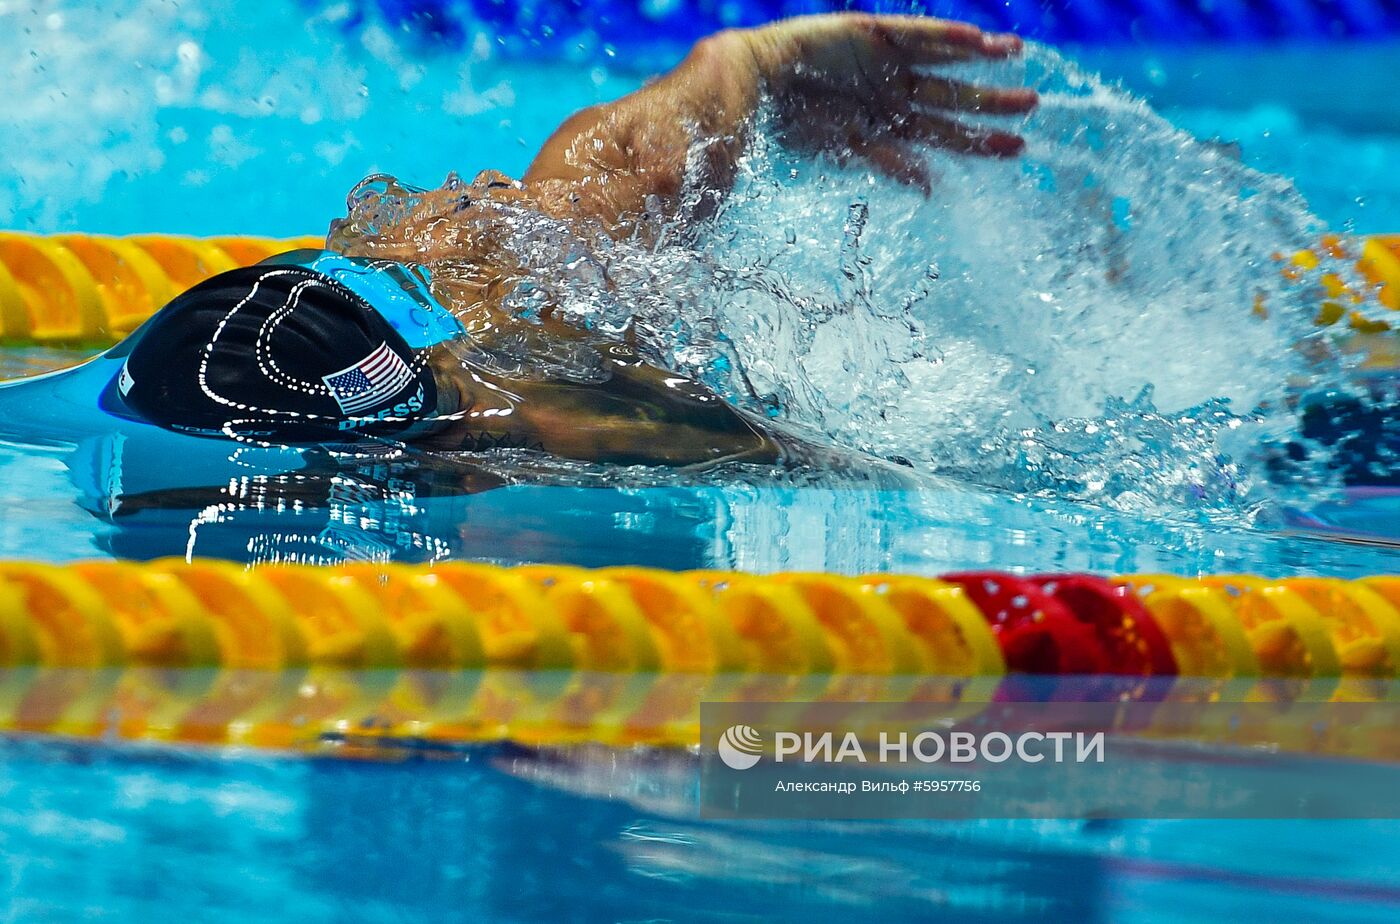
x: 357, y: 341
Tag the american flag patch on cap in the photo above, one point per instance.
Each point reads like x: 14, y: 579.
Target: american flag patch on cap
x: 372, y: 380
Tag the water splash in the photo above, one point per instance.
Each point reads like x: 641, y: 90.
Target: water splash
x: 1102, y: 320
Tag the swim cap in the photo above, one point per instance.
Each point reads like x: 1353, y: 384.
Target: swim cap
x: 401, y: 293
x: 277, y: 352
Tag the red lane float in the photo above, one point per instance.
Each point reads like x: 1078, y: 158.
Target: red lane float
x: 1133, y: 640
x: 1038, y: 633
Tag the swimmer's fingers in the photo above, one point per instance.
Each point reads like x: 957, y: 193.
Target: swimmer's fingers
x: 940, y: 93
x: 898, y: 160
x: 921, y: 40
x: 955, y: 136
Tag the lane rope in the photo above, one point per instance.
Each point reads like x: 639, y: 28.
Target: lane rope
x: 362, y: 657
x: 208, y: 613
x: 94, y: 289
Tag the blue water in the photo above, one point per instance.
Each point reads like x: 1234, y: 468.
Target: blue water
x: 192, y: 117
x: 184, y: 123
x: 222, y: 116
x: 115, y: 832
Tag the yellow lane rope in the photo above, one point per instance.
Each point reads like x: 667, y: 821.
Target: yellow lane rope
x: 170, y: 613
x: 292, y: 656
x: 94, y: 289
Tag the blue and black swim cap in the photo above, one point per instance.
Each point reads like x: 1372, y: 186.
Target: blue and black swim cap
x: 305, y: 347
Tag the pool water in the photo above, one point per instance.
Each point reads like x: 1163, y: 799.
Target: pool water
x: 215, y: 117
x: 123, y: 833
x: 185, y: 114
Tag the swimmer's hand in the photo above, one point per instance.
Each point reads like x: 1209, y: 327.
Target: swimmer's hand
x: 852, y: 85
x: 859, y: 86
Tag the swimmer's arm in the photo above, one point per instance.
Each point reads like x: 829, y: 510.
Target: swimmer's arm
x: 852, y: 85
